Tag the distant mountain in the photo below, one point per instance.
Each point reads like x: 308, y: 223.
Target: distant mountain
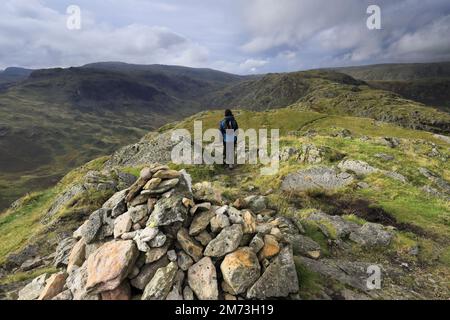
x: 13, y: 75
x: 428, y: 83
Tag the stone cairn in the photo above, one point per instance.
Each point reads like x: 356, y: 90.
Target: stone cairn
x: 164, y: 239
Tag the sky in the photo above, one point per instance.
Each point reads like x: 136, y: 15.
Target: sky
x: 237, y: 36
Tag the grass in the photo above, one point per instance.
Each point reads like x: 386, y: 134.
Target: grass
x: 24, y: 276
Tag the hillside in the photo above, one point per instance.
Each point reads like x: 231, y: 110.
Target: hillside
x: 391, y: 210
x: 57, y: 119
x: 428, y: 83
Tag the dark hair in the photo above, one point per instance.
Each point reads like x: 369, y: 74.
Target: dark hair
x: 228, y: 113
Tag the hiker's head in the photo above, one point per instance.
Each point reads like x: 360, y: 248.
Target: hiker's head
x: 228, y: 113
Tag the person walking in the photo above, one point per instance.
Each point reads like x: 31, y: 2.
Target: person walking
x: 228, y: 128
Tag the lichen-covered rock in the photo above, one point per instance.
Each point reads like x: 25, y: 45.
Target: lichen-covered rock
x: 278, y: 280
x: 117, y: 203
x: 168, y: 211
x: 33, y: 290
x: 219, y: 221
x: 201, y: 222
x: 240, y: 270
x: 334, y: 227
x: 76, y: 282
x: 147, y: 272
x: 63, y: 251
x: 189, y: 245
x: 316, y: 178
x: 92, y: 226
x: 357, y: 166
x: 202, y: 279
x: 110, y: 265
x: 256, y: 203
x: 159, y: 286
x: 227, y: 241
x: 372, y: 234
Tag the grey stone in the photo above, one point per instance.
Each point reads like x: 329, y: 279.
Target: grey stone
x: 117, y: 203
x: 202, y: 279
x: 138, y: 213
x: 257, y: 243
x: 147, y: 272
x: 160, y: 285
x: 357, y: 166
x: 201, y: 222
x: 219, y: 221
x: 158, y: 241
x: 188, y: 294
x: 316, y: 178
x: 168, y: 211
x: 172, y: 255
x: 76, y: 282
x: 184, y: 261
x: 92, y: 226
x: 278, y: 280
x: 63, y: 251
x: 256, y: 203
x: 227, y: 241
x: 33, y: 290
x: 371, y: 234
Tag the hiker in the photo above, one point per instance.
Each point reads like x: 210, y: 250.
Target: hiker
x: 228, y: 127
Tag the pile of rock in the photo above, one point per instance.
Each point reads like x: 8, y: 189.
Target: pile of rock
x: 159, y: 240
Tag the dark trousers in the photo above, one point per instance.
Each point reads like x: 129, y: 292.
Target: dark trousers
x: 230, y: 158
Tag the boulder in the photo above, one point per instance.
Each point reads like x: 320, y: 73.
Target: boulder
x: 110, y: 265
x: 240, y: 270
x: 160, y: 285
x: 117, y: 203
x: 271, y: 247
x: 357, y: 166
x: 92, y: 226
x: 184, y: 261
x: 227, y: 241
x: 316, y: 178
x: 218, y: 222
x: 278, y: 280
x: 202, y: 279
x: 371, y: 235
x: 333, y: 227
x: 205, y: 191
x: 77, y: 256
x: 154, y: 254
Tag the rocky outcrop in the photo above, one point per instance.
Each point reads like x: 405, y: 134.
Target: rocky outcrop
x: 316, y: 178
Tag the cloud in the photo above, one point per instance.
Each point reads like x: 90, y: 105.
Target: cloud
x: 33, y: 35
x: 334, y: 32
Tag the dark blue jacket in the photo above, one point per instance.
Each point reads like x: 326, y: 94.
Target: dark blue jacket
x: 228, y: 123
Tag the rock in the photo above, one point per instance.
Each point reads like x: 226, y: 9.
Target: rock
x: 144, y: 236
x: 316, y: 178
x: 235, y: 216
x: 219, y: 222
x: 389, y: 141
x: 206, y: 206
x: 110, y: 265
x: 312, y: 154
x: 256, y: 203
x: 146, y: 174
x: 442, y: 137
x: 206, y: 192
x: 202, y: 279
x: 271, y: 247
x: 356, y: 166
x: 288, y: 153
x: 138, y: 213
x: 54, y: 286
x: 176, y: 292
x: 229, y: 297
x: 147, y: 273
x: 239, y: 204
x: 153, y: 184
x: 201, y: 222
x: 384, y: 156
x: 371, y: 234
x: 257, y: 243
x: 32, y: 264
x: 167, y: 174
x: 77, y: 256
x: 305, y: 246
x: 167, y: 211
x: 122, y: 225
x: 396, y: 176
x: 117, y: 203
x: 76, y: 282
x: 107, y: 229
x: 162, y: 187
x: 184, y: 261
x: 240, y: 270
x: 134, y: 273
x: 155, y: 254
x: 159, y: 286
x: 278, y: 280
x: 249, y: 225
x: 333, y: 227
x: 188, y: 203
x: 189, y: 245
x: 65, y: 295
x: 92, y: 226
x: 188, y: 294
x: 172, y: 255
x: 139, y: 200
x: 158, y: 241
x: 204, y: 238
x: 121, y: 293
x: 63, y: 251
x: 33, y: 290
x: 363, y: 185
x: 227, y: 241
x: 135, y: 189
